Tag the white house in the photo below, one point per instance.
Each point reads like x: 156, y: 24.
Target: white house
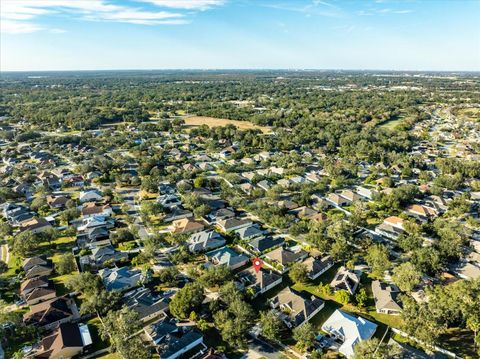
x: 349, y: 330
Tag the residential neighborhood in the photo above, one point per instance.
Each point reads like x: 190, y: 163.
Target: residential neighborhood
x: 137, y: 238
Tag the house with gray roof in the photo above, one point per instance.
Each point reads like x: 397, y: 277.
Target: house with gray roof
x: 296, y: 309
x: 385, y: 296
x: 256, y: 283
x: 226, y: 256
x: 120, y: 279
x: 171, y: 340
x: 204, y: 241
x: 249, y: 232
x: 146, y: 304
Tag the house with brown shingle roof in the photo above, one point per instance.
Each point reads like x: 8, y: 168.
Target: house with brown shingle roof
x: 186, y: 226
x: 37, y: 267
x: 91, y: 209
x: 51, y: 313
x: 421, y: 212
x: 66, y: 341
x: 57, y: 201
x: 316, y: 266
x: 35, y: 225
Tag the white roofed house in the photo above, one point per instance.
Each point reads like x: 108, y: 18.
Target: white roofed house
x: 348, y: 330
x: 90, y: 196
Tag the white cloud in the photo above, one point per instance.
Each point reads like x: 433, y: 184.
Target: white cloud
x: 186, y: 4
x: 21, y: 16
x: 15, y: 27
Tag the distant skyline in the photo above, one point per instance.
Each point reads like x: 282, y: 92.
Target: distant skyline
x: 48, y: 35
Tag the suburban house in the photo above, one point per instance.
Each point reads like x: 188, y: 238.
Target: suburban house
x: 93, y: 237
x: 219, y: 215
x: 421, y: 212
x: 249, y: 232
x: 96, y: 221
x: 57, y: 201
x: 316, y: 266
x: 186, y: 225
x: 51, y: 313
x: 120, y: 279
x: 204, y: 241
x: 66, y: 341
x: 261, y: 244
x: 295, y: 308
x: 35, y: 225
x: 37, y: 267
x: 102, y: 255
x: 350, y: 195
x: 337, y: 200
x: 92, y: 195
x: 348, y: 330
x: 147, y: 305
x: 232, y: 224
x: 284, y: 257
x: 385, y: 296
x: 37, y: 290
x: 169, y: 201
x: 170, y: 340
x: 365, y: 192
x: 346, y: 279
x: 303, y: 213
x: 177, y: 213
x: 256, y: 283
x: 391, y: 227
x: 91, y: 209
x: 228, y: 257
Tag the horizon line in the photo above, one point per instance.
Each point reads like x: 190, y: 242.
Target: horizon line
x: 292, y: 69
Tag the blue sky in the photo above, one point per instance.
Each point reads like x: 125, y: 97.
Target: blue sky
x: 166, y: 34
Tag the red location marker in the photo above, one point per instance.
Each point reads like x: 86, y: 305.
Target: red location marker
x: 257, y: 264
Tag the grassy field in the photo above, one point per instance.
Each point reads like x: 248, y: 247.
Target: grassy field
x: 216, y: 122
x: 392, y: 124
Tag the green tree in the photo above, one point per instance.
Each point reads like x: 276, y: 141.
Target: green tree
x: 377, y: 259
x: 119, y: 327
x: 186, y: 300
x: 419, y: 322
x: 271, y: 325
x: 304, y: 335
x: 373, y: 349
x: 298, y: 272
x: 342, y: 296
x: 66, y: 264
x: 361, y: 298
x: 406, y: 276
x: 234, y: 322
